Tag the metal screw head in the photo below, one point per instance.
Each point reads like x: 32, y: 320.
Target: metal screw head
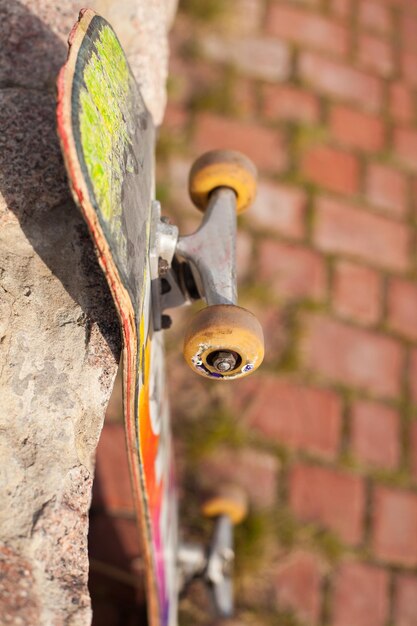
x: 163, y: 266
x: 166, y: 322
x: 224, y: 361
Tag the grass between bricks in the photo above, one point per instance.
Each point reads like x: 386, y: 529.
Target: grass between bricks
x: 205, y: 12
x: 218, y: 98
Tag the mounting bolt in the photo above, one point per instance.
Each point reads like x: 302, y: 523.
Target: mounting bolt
x: 163, y: 267
x: 224, y: 361
x: 166, y: 322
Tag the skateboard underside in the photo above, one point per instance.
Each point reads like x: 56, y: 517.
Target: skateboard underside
x: 107, y: 138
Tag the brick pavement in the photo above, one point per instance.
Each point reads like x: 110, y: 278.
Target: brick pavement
x: 321, y: 94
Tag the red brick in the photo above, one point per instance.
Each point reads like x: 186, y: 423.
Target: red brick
x: 386, y: 189
x: 402, y: 307
x: 328, y: 497
x: 274, y: 322
x: 357, y: 130
x: 307, y: 28
x: 405, y: 146
x: 357, y: 292
x: 256, y: 472
x: 413, y: 375
x: 112, y: 490
x: 405, y: 604
x: 374, y: 16
x: 352, y: 356
x: 192, y: 79
x: 303, y: 418
x: 244, y: 98
x: 286, y: 102
x: 413, y: 449
x: 279, y: 208
x: 408, y: 32
x: 332, y: 169
x: 264, y: 146
x: 257, y: 57
x: 297, y: 582
x: 394, y: 531
x: 409, y: 7
x: 361, y: 596
x: 341, y: 81
x: 401, y: 102
x: 409, y: 68
x: 175, y: 118
x: 292, y: 271
x: 375, y: 55
x: 375, y: 434
x: 341, y: 8
x: 343, y: 229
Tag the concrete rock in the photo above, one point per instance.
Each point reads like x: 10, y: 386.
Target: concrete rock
x: 59, y: 335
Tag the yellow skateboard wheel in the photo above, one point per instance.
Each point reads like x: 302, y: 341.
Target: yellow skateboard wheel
x: 230, y: 500
x: 224, y: 342
x: 223, y: 168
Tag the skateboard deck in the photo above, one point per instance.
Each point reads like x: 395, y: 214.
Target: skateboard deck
x: 108, y: 141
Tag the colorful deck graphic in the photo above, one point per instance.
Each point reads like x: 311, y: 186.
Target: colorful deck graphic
x: 107, y: 138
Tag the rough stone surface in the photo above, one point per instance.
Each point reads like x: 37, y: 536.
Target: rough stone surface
x: 59, y: 335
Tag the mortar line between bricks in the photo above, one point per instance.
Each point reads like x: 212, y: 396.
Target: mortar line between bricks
x: 396, y: 46
x: 358, y: 202
x: 391, y: 596
x: 405, y: 460
x: 362, y: 170
x: 385, y: 109
x: 353, y: 25
x: 328, y: 296
x: 331, y: 261
x: 385, y: 280
x: 283, y: 484
x: 389, y: 126
x: 413, y: 251
x: 325, y: 7
x: 345, y: 435
x: 309, y: 219
x: 326, y: 600
x: 263, y: 20
x: 411, y: 211
x: 294, y: 63
x: 368, y: 513
x: 259, y: 99
x: 413, y: 95
x: 325, y: 106
x: 308, y: 243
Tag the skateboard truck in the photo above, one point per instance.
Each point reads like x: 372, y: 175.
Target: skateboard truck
x: 223, y: 341
x: 214, y: 565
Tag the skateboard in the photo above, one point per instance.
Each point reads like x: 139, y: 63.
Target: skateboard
x: 107, y: 138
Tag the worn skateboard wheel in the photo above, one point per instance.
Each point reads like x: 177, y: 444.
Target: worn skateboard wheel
x: 230, y: 500
x: 223, y: 168
x: 224, y: 342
